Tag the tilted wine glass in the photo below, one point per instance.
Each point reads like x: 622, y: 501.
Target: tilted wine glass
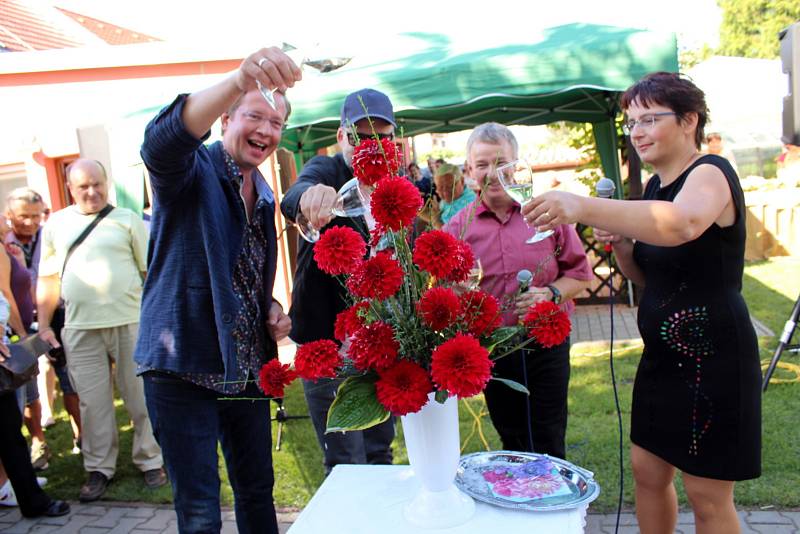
x: 517, y: 179
x: 350, y: 202
x: 312, y: 58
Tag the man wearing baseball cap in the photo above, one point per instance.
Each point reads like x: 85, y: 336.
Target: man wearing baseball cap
x: 318, y: 297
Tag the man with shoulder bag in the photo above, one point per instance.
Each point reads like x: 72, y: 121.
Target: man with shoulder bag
x: 94, y: 257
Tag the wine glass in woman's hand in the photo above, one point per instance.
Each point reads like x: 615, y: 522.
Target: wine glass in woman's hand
x: 517, y: 179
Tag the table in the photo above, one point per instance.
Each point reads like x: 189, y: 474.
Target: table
x: 369, y: 499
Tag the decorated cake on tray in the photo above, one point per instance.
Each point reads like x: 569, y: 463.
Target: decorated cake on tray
x: 523, y: 482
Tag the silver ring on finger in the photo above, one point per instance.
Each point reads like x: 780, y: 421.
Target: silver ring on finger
x: 261, y: 62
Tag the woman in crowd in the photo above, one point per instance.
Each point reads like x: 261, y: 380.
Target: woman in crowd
x: 14, y: 457
x: 496, y: 231
x: 696, y: 398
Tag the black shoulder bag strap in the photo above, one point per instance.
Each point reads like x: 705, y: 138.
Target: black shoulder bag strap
x: 88, y: 230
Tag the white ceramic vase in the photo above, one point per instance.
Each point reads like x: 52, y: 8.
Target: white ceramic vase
x: 433, y: 446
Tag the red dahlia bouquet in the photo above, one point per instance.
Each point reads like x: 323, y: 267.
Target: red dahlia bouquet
x: 414, y: 326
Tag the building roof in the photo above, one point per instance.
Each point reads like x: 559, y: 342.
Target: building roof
x: 26, y: 27
x: 110, y: 33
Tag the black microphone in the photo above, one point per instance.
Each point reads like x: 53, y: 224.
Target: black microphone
x: 524, y: 278
x: 605, y: 188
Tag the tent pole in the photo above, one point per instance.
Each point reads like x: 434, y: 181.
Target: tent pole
x: 605, y: 136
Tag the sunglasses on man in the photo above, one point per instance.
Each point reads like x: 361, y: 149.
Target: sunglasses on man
x: 351, y: 137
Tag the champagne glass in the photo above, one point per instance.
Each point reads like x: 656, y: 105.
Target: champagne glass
x: 312, y: 58
x: 475, y: 275
x: 350, y: 202
x: 517, y: 179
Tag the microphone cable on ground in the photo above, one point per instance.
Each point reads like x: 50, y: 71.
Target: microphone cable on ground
x: 614, y: 386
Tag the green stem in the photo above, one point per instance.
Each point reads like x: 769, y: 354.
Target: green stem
x: 223, y: 382
x: 247, y: 398
x: 514, y: 348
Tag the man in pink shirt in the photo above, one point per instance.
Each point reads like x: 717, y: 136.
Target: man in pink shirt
x: 496, y: 231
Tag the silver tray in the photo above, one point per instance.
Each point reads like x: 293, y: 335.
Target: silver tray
x: 577, y: 488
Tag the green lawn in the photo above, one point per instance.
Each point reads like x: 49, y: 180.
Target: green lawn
x: 770, y: 288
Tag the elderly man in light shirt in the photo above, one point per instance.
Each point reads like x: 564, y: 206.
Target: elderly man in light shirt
x: 101, y: 283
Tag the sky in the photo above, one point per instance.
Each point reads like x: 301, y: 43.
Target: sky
x: 696, y: 22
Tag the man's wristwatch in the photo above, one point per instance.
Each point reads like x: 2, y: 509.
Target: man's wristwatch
x: 556, y: 293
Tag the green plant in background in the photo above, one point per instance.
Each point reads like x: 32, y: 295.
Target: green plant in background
x: 750, y: 28
x: 689, y: 57
x: 580, y: 136
x: 446, y: 154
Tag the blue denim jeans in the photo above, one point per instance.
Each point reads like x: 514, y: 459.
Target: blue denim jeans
x: 188, y: 420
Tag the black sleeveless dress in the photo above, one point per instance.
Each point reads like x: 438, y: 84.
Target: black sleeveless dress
x: 697, y: 398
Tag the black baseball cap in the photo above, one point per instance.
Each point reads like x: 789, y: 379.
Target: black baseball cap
x: 367, y: 103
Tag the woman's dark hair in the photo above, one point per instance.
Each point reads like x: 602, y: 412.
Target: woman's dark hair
x: 671, y: 90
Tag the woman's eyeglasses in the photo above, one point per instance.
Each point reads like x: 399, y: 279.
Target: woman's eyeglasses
x: 645, y: 122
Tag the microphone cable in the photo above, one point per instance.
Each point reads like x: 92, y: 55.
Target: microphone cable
x: 605, y: 189
x: 608, y: 251
x: 524, y: 278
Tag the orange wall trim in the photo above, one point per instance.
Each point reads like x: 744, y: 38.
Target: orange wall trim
x: 119, y: 73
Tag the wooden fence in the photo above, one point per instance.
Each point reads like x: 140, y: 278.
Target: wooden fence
x: 773, y: 223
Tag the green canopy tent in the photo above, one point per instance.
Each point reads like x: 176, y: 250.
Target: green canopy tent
x: 573, y: 72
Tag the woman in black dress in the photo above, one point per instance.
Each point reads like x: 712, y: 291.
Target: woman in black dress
x: 696, y: 398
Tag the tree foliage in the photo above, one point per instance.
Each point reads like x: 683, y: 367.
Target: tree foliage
x: 750, y: 27
x: 689, y: 57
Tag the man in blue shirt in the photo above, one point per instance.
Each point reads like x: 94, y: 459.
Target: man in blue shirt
x: 208, y: 320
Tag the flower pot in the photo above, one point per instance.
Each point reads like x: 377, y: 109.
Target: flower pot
x: 433, y: 444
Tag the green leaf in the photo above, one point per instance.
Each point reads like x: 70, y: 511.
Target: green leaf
x: 501, y: 335
x: 356, y: 406
x: 516, y: 386
x: 441, y: 396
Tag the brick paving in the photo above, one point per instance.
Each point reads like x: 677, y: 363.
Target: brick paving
x: 591, y: 325
x: 115, y: 518
x: 135, y: 518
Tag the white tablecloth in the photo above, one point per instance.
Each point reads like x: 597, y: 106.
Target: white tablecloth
x: 369, y: 499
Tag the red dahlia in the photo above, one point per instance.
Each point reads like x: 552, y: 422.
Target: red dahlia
x: 395, y: 202
x: 339, y: 250
x: 373, y: 347
x: 461, y: 366
x: 274, y: 376
x: 318, y: 359
x: 379, y: 277
x: 350, y: 320
x: 373, y: 160
x: 376, y: 234
x: 438, y: 307
x: 465, y: 263
x: 548, y: 324
x: 436, y: 252
x: 403, y: 388
x: 480, y: 312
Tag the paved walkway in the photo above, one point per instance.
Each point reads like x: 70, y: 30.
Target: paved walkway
x: 591, y: 324
x: 133, y: 518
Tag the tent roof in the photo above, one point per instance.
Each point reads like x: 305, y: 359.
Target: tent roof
x: 438, y: 84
